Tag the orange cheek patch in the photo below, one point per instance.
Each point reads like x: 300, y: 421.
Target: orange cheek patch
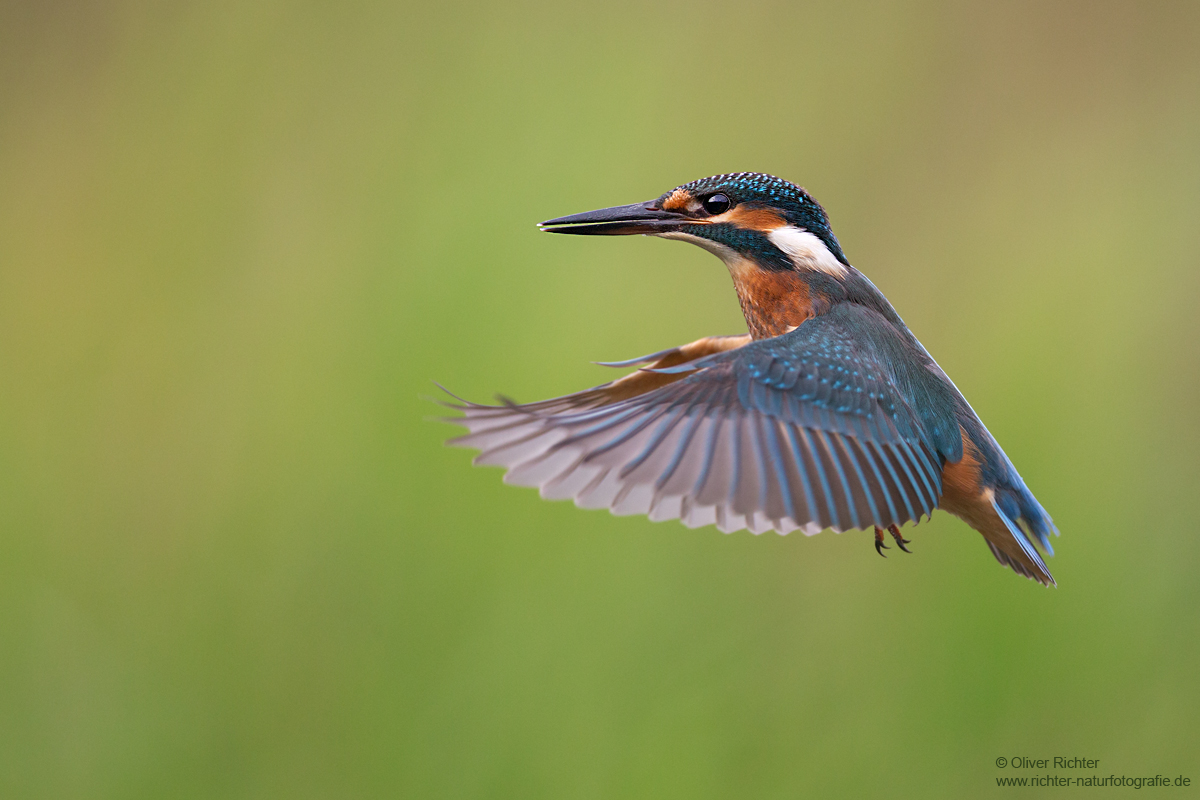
x: 754, y: 219
x: 678, y: 200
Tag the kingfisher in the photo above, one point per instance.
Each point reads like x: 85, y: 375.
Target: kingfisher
x: 827, y: 414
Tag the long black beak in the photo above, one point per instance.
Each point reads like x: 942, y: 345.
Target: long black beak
x: 618, y: 221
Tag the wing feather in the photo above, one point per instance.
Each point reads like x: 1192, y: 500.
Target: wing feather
x: 895, y: 488
x: 798, y: 432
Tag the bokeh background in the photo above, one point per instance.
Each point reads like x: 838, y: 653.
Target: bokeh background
x: 238, y: 240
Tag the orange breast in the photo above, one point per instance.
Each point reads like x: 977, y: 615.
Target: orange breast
x: 772, y: 302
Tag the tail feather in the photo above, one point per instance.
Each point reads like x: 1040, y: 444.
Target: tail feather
x: 1036, y: 520
x: 1012, y: 547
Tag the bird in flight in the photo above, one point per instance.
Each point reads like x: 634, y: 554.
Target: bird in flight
x: 827, y: 414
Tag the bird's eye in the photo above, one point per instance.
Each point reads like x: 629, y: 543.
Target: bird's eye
x: 716, y: 203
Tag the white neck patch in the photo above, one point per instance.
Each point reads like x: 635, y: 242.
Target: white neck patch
x: 806, y: 251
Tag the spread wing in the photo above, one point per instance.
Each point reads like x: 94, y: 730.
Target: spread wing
x: 803, y: 431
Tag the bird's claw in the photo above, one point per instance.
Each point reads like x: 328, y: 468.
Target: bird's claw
x: 895, y: 532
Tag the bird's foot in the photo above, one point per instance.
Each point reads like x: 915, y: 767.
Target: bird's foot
x: 894, y: 530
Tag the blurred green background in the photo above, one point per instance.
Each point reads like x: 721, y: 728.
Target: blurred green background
x: 238, y: 240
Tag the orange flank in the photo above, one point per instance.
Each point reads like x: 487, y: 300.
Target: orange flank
x: 965, y: 496
x: 961, y: 479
